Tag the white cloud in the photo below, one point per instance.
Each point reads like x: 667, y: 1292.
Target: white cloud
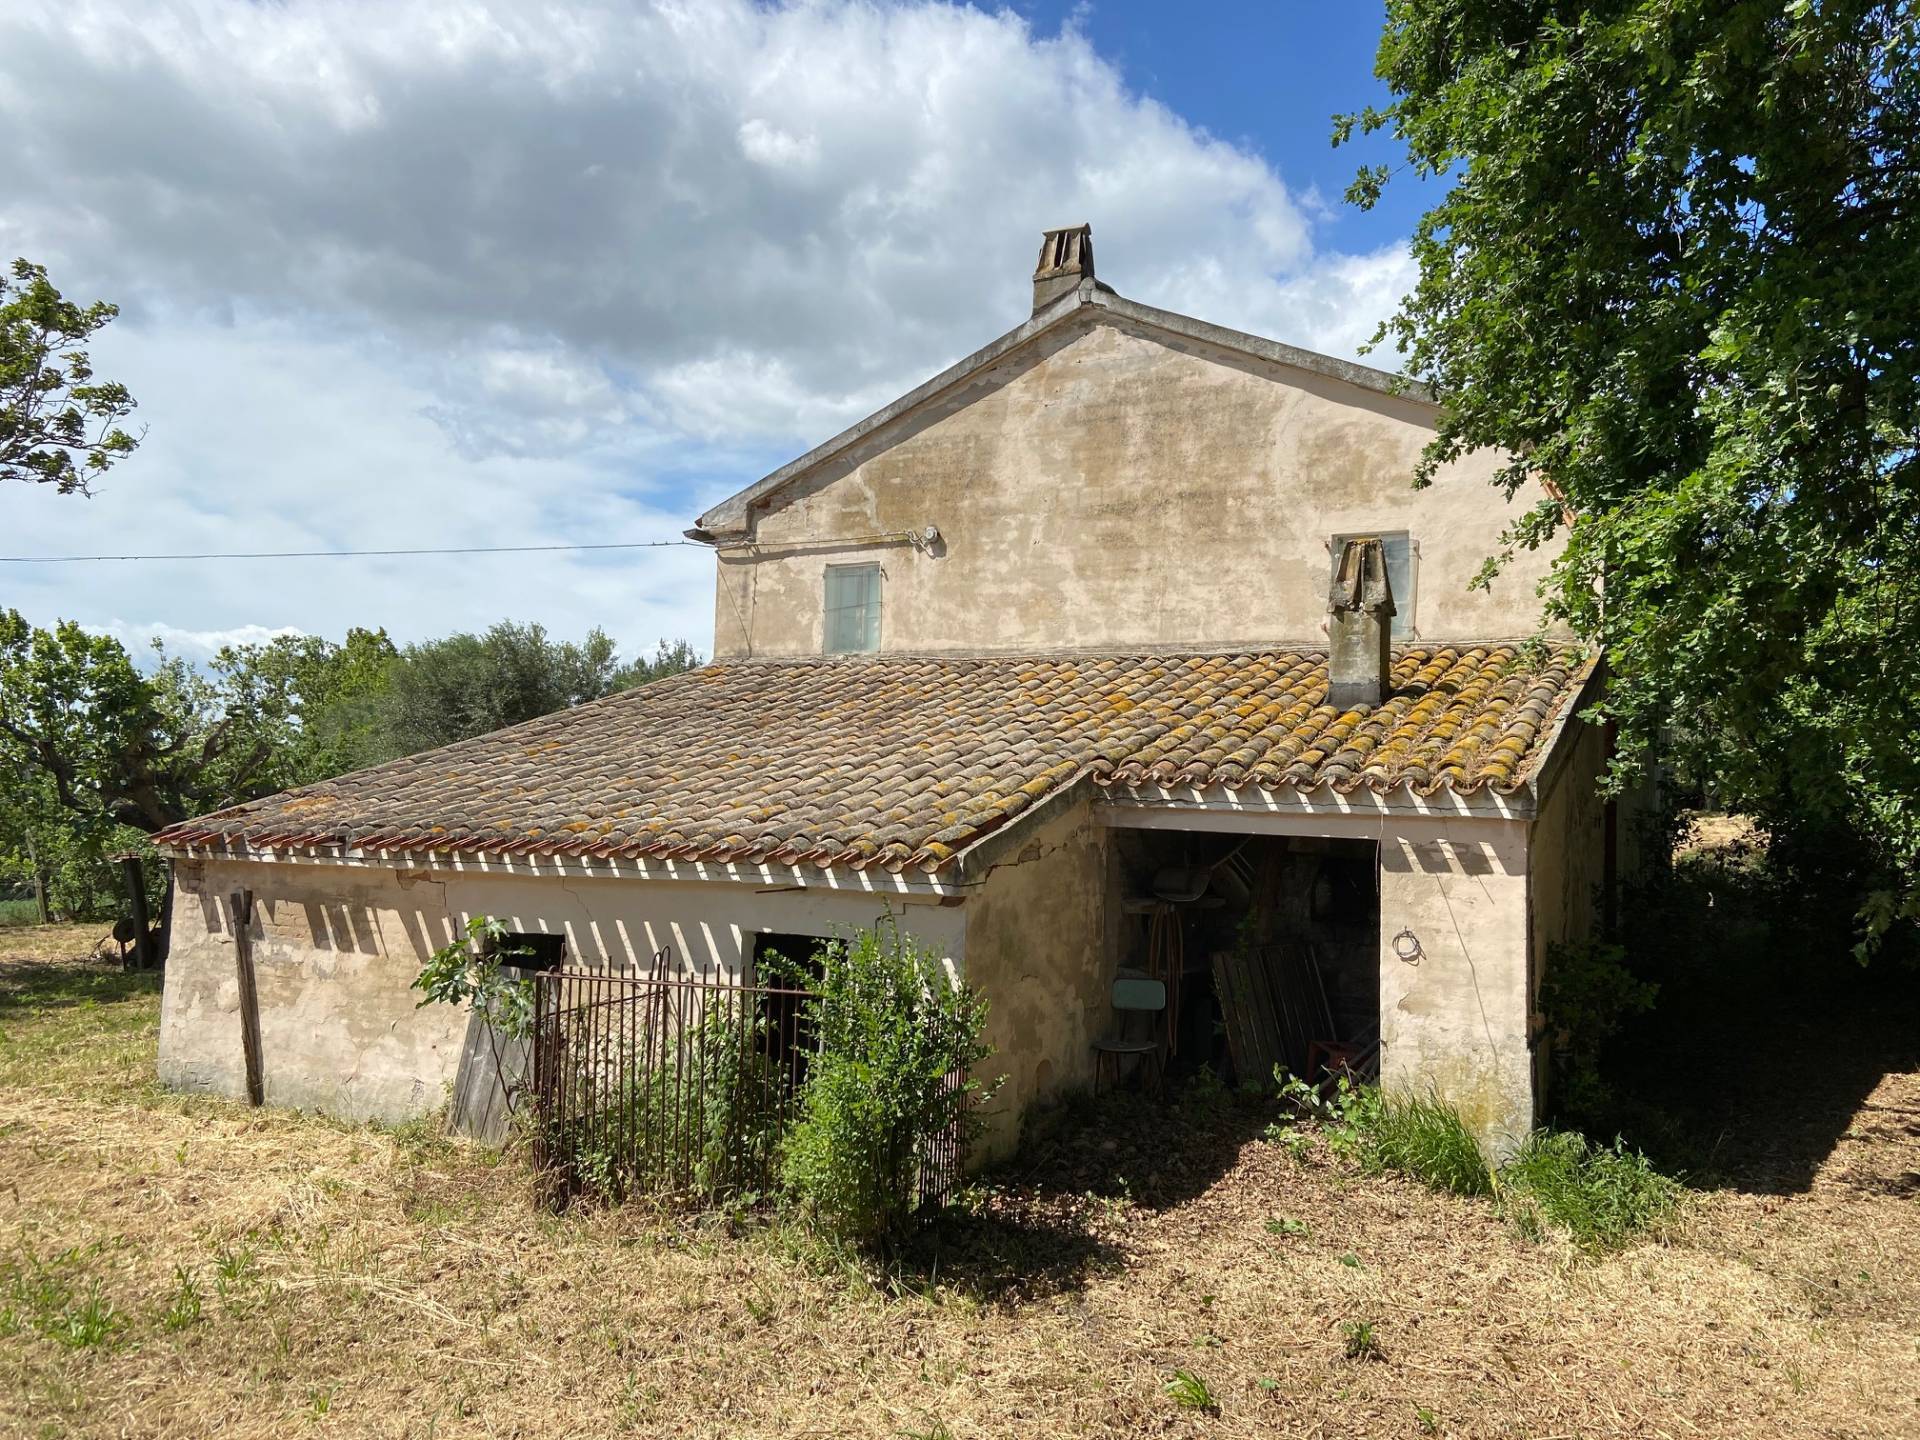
x: 470, y: 272
x: 197, y: 646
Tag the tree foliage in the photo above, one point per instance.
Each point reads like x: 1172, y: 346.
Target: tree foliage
x: 58, y: 425
x: 1674, y: 277
x: 446, y: 690
x: 104, y: 751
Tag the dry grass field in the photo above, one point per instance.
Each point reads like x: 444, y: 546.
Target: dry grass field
x: 183, y: 1267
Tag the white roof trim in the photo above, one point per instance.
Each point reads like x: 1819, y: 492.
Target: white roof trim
x: 1319, y: 804
x: 587, y: 867
x: 731, y: 518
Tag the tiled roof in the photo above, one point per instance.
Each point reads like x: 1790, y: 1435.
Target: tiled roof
x: 904, y: 760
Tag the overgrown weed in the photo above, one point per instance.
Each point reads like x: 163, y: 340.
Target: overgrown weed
x: 1602, y: 1197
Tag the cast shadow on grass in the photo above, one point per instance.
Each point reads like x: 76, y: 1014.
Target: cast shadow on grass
x: 1032, y: 1227
x: 30, y: 986
x: 1760, y: 1059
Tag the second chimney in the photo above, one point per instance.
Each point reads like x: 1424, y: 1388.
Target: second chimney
x: 1360, y: 627
x: 1066, y: 258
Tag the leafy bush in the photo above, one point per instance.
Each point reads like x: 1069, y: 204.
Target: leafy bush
x: 891, y: 1027
x: 467, y: 972
x: 1602, y: 1196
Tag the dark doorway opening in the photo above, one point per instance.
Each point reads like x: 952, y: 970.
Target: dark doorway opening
x: 787, y: 964
x: 1269, y: 946
x: 531, y: 952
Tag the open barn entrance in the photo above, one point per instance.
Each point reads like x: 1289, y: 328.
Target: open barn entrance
x: 1268, y: 946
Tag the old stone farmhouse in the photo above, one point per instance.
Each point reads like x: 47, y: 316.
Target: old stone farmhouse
x: 1038, y: 659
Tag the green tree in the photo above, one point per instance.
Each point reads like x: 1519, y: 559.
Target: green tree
x: 314, y: 705
x: 140, y: 751
x: 446, y: 690
x: 58, y: 425
x: 1674, y: 276
x: 674, y: 657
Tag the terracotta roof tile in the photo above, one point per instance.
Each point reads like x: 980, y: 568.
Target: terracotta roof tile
x: 904, y: 760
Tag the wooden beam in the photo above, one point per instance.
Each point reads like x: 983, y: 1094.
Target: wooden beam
x: 240, y: 907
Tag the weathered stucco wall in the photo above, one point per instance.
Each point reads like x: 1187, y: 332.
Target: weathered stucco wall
x: 336, y: 949
x: 1454, y: 1016
x: 1036, y: 946
x: 1103, y: 487
x: 1567, y: 854
x: 1566, y: 865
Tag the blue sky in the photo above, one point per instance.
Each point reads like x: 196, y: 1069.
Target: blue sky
x: 1267, y: 75
x: 459, y: 272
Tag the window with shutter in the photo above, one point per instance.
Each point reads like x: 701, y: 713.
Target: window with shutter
x: 853, y: 609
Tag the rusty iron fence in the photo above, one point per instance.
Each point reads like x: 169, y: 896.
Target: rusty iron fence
x: 679, y: 1087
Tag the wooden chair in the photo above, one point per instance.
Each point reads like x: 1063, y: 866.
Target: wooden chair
x: 1132, y: 994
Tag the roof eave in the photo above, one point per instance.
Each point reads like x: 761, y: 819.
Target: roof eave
x: 1556, y: 751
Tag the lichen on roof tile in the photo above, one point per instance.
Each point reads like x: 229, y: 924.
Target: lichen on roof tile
x: 906, y: 760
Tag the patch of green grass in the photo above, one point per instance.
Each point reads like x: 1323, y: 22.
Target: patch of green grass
x: 57, y: 1299
x: 1602, y: 1196
x: 1423, y: 1137
x: 183, y: 1307
x: 1190, y: 1392
x: 83, y: 1028
x: 19, y: 912
x: 1358, y: 1340
x: 1287, y: 1225
x: 1425, y: 1420
x: 94, y: 1321
x: 233, y: 1268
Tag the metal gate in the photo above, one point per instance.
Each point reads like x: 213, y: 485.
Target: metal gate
x: 675, y: 1086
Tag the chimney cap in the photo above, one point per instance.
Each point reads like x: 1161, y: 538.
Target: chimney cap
x: 1360, y: 580
x: 1066, y: 251
x: 1066, y: 258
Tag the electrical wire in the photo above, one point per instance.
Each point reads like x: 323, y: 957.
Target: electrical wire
x: 347, y: 554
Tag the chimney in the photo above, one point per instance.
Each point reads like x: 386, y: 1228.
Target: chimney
x: 1066, y: 258
x: 1359, y: 627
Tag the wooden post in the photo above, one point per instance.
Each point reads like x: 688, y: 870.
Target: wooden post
x: 240, y: 908
x: 137, y: 898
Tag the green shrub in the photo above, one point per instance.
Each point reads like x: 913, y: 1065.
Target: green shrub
x: 1602, y: 1196
x: 891, y: 1026
x: 467, y: 972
